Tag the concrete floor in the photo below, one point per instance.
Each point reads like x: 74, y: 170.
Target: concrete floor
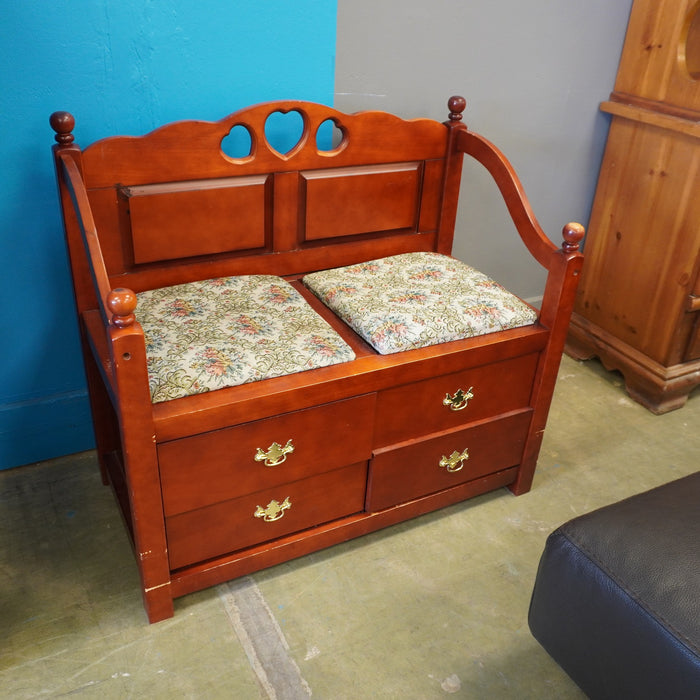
x: 433, y: 608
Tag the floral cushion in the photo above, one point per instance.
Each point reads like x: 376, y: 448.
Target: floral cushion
x: 416, y: 299
x: 222, y: 332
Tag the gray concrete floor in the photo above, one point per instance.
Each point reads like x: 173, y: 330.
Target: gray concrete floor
x: 432, y: 608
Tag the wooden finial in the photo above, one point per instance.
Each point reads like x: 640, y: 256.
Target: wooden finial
x: 63, y: 123
x: 122, y: 303
x: 456, y: 105
x: 573, y: 234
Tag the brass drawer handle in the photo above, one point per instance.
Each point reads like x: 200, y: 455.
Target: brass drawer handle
x: 459, y: 400
x: 276, y: 454
x: 455, y: 461
x: 273, y: 511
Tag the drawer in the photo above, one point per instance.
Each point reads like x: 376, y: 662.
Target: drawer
x: 412, y: 470
x: 225, y: 464
x: 418, y: 409
x: 254, y: 519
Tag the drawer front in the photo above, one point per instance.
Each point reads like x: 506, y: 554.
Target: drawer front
x: 225, y: 464
x: 267, y: 515
x: 420, y: 408
x: 410, y: 471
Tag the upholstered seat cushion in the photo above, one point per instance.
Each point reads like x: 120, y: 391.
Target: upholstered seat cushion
x: 417, y: 299
x: 223, y: 332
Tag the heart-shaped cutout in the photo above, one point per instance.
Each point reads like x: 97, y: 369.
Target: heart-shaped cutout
x: 330, y: 136
x: 284, y: 131
x: 238, y: 143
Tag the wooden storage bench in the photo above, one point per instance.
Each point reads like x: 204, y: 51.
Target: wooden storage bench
x: 280, y: 352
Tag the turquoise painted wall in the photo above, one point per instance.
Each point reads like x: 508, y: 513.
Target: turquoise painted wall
x: 122, y: 67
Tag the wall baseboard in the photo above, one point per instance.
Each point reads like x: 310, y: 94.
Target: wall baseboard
x: 43, y: 428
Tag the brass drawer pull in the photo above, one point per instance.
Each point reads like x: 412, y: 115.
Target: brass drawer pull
x: 273, y: 511
x: 276, y: 454
x: 459, y: 400
x: 455, y: 461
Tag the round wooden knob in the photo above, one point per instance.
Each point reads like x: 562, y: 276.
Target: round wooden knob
x: 63, y: 123
x: 573, y: 235
x: 456, y: 105
x: 122, y: 303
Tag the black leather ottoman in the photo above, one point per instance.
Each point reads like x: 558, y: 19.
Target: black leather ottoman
x: 616, y: 601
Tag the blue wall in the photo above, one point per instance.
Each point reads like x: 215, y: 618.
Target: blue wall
x: 121, y: 67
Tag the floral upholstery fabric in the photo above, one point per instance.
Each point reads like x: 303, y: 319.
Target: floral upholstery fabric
x: 416, y: 299
x: 223, y: 332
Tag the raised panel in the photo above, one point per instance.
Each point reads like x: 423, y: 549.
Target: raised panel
x: 640, y: 258
x: 187, y: 219
x: 353, y: 201
x: 431, y: 195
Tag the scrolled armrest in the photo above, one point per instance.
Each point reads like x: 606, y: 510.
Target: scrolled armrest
x: 503, y: 173
x: 73, y: 181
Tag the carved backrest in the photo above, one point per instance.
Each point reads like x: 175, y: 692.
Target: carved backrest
x: 172, y: 206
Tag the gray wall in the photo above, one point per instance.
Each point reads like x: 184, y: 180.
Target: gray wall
x: 533, y: 73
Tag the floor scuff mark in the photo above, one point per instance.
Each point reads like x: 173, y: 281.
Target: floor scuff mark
x: 451, y: 684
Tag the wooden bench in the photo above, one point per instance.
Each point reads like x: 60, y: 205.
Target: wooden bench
x: 193, y: 263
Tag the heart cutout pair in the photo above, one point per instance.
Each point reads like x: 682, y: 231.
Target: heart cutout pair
x: 284, y: 132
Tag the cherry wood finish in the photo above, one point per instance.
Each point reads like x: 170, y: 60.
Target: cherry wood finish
x: 416, y: 468
x: 231, y: 525
x: 200, y: 505
x: 638, y: 302
x: 420, y: 408
x: 223, y: 464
